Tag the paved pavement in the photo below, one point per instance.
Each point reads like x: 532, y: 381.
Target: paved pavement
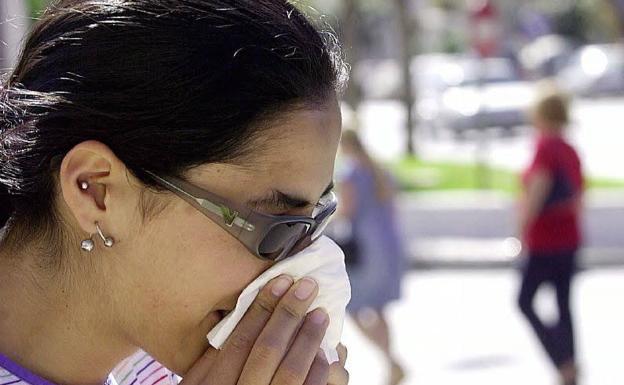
x: 462, y: 328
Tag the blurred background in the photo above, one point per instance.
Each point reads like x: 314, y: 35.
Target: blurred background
x: 439, y: 95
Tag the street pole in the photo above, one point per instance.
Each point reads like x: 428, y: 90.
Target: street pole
x: 406, y: 33
x: 485, y: 26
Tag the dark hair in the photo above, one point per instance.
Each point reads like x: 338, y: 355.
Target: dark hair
x: 166, y: 84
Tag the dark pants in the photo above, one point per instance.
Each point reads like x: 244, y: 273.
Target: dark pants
x: 558, y: 270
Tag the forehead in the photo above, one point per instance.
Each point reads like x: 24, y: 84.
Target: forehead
x: 294, y: 153
x: 304, y: 133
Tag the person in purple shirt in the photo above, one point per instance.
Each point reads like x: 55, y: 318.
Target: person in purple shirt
x: 367, y: 194
x: 159, y: 156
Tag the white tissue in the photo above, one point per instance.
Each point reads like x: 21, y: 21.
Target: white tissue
x: 322, y: 261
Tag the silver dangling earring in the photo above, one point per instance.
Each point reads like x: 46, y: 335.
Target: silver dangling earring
x: 87, y: 245
x: 108, y: 241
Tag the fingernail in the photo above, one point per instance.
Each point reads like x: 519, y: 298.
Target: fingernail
x: 281, y: 286
x: 318, y: 317
x: 305, y: 289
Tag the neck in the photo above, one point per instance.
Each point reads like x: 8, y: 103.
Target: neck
x: 57, y: 328
x: 550, y: 129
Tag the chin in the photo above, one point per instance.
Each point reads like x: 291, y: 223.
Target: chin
x: 193, y: 347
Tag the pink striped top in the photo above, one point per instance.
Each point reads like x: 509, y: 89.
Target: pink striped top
x: 138, y: 369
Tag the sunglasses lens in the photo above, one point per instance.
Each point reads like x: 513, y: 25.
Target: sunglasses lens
x: 280, y: 238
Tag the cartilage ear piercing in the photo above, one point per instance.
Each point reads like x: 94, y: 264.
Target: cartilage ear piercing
x: 84, y: 185
x: 108, y: 241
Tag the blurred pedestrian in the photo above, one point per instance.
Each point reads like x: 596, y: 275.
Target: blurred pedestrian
x: 550, y: 226
x: 367, y: 202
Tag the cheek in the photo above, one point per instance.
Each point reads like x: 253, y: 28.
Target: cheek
x: 201, y: 266
x: 188, y: 267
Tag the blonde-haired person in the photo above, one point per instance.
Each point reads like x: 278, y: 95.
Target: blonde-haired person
x: 367, y: 201
x: 550, y: 226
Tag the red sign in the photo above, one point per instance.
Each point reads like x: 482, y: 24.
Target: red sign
x: 486, y: 28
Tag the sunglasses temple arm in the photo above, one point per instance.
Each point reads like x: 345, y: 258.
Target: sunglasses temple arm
x: 228, y: 216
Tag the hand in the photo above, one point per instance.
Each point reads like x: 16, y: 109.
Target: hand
x: 275, y: 343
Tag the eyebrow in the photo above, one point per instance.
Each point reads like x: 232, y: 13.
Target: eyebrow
x: 280, y: 199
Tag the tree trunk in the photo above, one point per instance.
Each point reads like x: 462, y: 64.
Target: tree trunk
x: 618, y: 8
x: 350, y: 15
x: 406, y: 33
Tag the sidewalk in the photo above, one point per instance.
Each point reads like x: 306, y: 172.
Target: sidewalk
x: 464, y: 328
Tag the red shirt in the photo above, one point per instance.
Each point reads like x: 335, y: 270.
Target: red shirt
x: 557, y: 227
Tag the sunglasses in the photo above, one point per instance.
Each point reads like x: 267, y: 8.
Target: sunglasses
x: 269, y: 237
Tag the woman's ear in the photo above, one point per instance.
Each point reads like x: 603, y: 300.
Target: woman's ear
x: 88, y: 174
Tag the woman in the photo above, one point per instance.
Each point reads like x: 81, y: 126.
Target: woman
x: 143, y: 143
x: 550, y: 227
x: 367, y: 196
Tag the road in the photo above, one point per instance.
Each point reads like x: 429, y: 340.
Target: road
x: 476, y: 226
x: 462, y: 328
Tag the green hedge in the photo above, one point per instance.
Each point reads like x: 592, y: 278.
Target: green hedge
x: 417, y: 175
x: 37, y: 6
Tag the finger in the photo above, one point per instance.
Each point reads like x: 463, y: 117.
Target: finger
x: 319, y: 371
x: 272, y: 344
x: 236, y: 350
x: 338, y: 375
x: 343, y: 354
x: 296, y: 365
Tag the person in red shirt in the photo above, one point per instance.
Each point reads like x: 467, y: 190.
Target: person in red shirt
x: 550, y: 226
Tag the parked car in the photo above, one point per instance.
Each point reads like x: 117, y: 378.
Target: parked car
x: 431, y: 74
x: 594, y: 70
x: 546, y: 55
x: 452, y: 91
x: 490, y: 94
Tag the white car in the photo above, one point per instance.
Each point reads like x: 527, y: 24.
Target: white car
x: 594, y: 70
x: 490, y: 94
x: 382, y: 79
x: 453, y: 92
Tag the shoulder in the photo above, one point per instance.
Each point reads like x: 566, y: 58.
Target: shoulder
x: 142, y: 369
x: 545, y: 153
x: 571, y: 150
